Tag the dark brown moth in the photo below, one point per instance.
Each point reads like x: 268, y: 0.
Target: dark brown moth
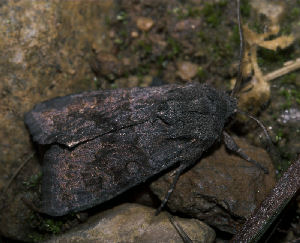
x: 102, y: 143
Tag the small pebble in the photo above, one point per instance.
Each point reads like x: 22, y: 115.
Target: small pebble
x: 144, y: 24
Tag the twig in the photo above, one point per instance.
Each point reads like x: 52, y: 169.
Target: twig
x: 270, y: 208
x: 242, y: 51
x: 290, y: 67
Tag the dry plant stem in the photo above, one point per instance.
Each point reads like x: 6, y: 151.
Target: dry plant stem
x: 262, y: 218
x: 282, y: 71
x: 255, y: 67
x: 242, y: 51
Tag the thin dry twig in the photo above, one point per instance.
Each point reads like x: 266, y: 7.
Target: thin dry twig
x: 289, y: 67
x: 242, y: 51
x: 262, y: 218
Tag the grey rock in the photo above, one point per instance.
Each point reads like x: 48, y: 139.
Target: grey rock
x: 132, y: 223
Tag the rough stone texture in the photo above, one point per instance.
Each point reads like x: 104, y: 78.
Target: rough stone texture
x: 16, y: 214
x: 222, y: 189
x: 132, y: 223
x: 45, y: 50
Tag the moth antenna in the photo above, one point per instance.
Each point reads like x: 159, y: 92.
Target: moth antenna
x: 232, y: 146
x: 242, y: 51
x: 271, y: 147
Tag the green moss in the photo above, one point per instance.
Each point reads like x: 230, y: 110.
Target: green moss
x: 245, y: 8
x: 201, y: 73
x: 282, y: 167
x: 295, y: 13
x: 144, y: 47
x: 161, y: 61
x: 118, y: 41
x: 235, y: 37
x: 193, y: 12
x: 228, y: 48
x: 33, y: 181
x: 174, y: 47
x: 296, y: 95
x: 222, y: 50
x: 278, y: 58
x: 122, y: 16
x: 258, y: 25
x: 289, y: 79
x: 201, y: 35
x: 52, y: 226
x: 142, y: 70
x: 286, y: 29
x: 288, y: 100
x: 291, y: 96
x: 113, y: 86
x: 213, y: 12
x: 290, y: 19
x: 107, y: 20
x: 186, y: 12
x: 279, y: 135
x: 121, y: 39
x: 45, y: 225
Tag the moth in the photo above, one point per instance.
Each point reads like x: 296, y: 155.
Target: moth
x: 101, y: 143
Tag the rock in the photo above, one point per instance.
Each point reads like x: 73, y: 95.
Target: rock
x: 134, y: 34
x: 291, y: 116
x: 17, y: 217
x: 44, y: 53
x: 186, y: 70
x: 144, y: 24
x: 107, y: 64
x: 222, y: 189
x: 188, y: 25
x: 133, y: 81
x: 135, y: 223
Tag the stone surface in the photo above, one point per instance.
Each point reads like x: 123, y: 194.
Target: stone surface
x: 135, y: 223
x: 222, y: 189
x: 107, y: 65
x: 45, y: 52
x: 186, y: 70
x: 144, y: 24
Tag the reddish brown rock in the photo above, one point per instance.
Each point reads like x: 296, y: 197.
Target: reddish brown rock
x: 222, y: 189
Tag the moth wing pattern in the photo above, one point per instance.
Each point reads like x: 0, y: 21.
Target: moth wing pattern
x: 105, y: 142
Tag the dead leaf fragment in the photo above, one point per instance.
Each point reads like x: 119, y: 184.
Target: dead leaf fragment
x: 280, y: 42
x: 257, y: 91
